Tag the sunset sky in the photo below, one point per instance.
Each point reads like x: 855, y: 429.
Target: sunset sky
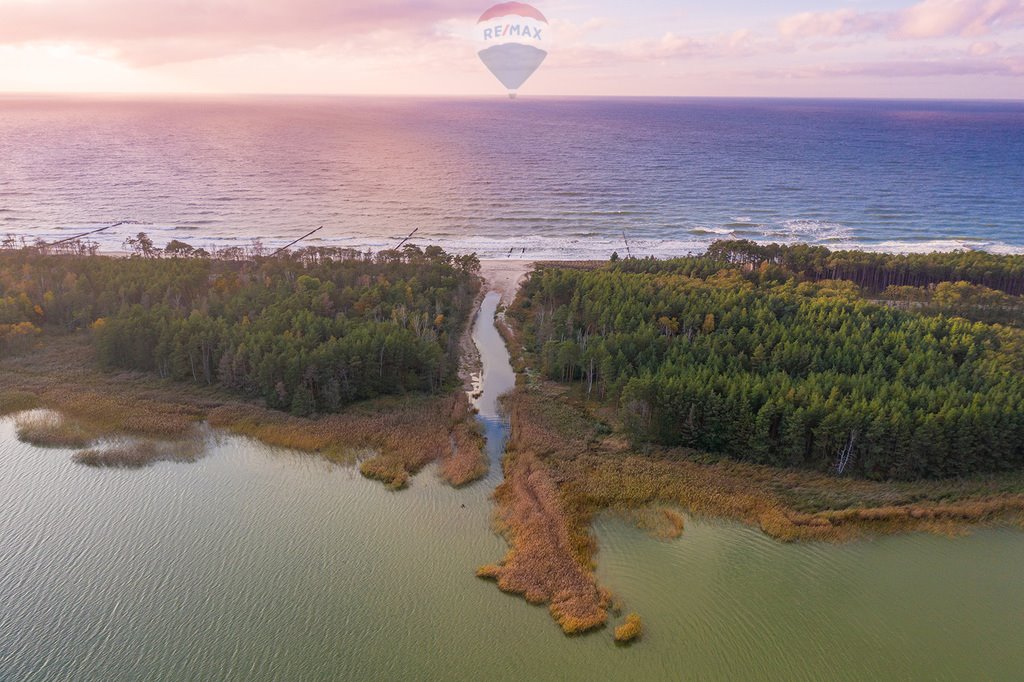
x: 827, y: 48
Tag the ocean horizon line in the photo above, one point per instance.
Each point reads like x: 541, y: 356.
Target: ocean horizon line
x: 160, y: 95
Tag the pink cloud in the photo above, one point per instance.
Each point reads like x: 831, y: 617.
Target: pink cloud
x: 840, y: 22
x: 669, y: 47
x: 926, y: 19
x: 158, y: 31
x: 911, y: 69
x: 968, y: 18
x: 984, y: 49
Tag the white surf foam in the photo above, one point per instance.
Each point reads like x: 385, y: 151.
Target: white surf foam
x: 531, y: 246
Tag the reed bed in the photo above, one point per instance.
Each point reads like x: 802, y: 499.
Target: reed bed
x: 595, y: 472
x: 405, y: 434
x: 125, y: 413
x: 50, y: 429
x: 736, y: 491
x: 15, y: 401
x: 629, y: 630
x: 140, y: 453
x: 540, y: 564
x: 74, y: 418
x: 466, y: 461
x: 563, y: 467
x: 659, y: 522
x: 62, y: 377
x: 549, y: 556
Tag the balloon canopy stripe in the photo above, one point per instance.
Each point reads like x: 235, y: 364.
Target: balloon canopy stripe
x: 506, y: 9
x: 513, y: 64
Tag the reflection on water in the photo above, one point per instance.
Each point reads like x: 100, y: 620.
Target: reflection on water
x: 257, y: 563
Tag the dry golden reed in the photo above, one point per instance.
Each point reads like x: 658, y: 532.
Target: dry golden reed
x: 51, y: 430
x: 466, y: 460
x: 659, y: 522
x: 740, y: 492
x: 61, y: 375
x: 405, y: 434
x: 563, y: 468
x: 629, y: 630
x: 140, y: 453
x: 541, y: 564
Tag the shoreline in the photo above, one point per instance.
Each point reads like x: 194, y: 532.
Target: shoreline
x: 562, y: 466
x: 539, y: 248
x: 594, y: 249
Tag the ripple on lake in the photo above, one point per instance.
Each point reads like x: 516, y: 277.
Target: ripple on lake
x: 258, y: 563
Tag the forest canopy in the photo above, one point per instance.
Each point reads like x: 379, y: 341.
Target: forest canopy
x: 308, y: 332
x: 877, y: 271
x: 754, y: 358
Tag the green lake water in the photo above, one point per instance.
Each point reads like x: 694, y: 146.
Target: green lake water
x: 256, y: 563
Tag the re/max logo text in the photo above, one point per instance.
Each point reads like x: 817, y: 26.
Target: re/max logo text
x: 509, y: 30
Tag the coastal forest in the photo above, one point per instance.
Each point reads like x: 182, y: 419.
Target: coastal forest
x: 308, y: 331
x: 886, y: 367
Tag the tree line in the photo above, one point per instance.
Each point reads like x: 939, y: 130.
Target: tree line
x: 764, y: 365
x: 308, y: 331
x: 878, y: 271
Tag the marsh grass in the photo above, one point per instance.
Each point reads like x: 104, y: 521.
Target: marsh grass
x: 49, y: 429
x: 659, y: 522
x: 629, y: 630
x: 74, y: 418
x: 747, y: 494
x: 541, y: 564
x: 15, y: 401
x: 466, y: 461
x: 136, y: 454
x: 62, y: 375
x: 597, y: 472
x: 564, y: 468
x: 120, y: 414
x: 404, y: 433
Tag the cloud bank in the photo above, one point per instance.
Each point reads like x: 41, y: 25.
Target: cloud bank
x: 416, y: 42
x: 157, y: 31
x: 928, y: 19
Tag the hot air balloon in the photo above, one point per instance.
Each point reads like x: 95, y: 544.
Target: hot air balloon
x: 513, y: 39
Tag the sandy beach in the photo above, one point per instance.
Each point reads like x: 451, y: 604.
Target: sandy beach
x: 505, y: 276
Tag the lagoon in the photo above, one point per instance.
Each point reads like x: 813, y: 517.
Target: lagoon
x: 257, y: 563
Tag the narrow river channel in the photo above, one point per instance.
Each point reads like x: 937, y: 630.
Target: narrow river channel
x: 257, y: 563
x: 496, y: 379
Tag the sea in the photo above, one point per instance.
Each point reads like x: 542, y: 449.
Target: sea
x: 526, y: 179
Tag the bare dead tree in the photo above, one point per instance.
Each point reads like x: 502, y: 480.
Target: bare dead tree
x: 291, y: 244
x: 402, y: 243
x: 846, y: 454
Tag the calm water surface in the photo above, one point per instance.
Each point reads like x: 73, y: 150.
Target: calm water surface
x: 258, y: 563
x: 540, y: 178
